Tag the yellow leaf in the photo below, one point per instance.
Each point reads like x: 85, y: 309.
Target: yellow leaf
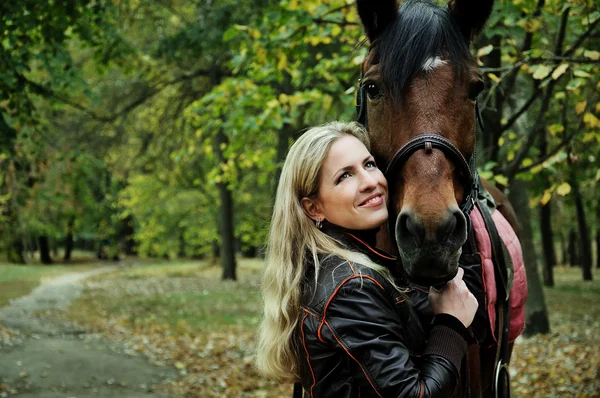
x: 282, y: 63
x: 580, y: 107
x: 500, y: 179
x: 494, y: 77
x: 563, y: 189
x: 500, y: 141
x: 541, y: 72
x: 581, y: 73
x: 593, y: 55
x: 556, y: 128
x: 255, y: 33
x: 589, y: 137
x: 546, y: 197
x: 179, y: 365
x: 591, y: 120
x: 558, y: 72
x: 483, y: 51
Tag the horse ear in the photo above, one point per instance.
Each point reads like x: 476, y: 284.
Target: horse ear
x: 471, y: 15
x: 376, y: 15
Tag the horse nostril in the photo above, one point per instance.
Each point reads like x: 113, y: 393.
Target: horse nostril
x: 446, y: 228
x: 409, y: 225
x: 453, y: 227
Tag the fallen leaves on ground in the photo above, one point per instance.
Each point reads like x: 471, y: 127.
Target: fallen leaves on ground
x: 206, y: 329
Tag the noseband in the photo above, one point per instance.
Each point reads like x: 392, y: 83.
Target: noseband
x: 429, y: 141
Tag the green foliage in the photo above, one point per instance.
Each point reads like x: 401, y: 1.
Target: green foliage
x: 114, y: 111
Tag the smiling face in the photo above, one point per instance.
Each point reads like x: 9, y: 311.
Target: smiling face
x: 352, y: 190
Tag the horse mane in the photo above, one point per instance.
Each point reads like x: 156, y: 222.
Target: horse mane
x: 421, y: 31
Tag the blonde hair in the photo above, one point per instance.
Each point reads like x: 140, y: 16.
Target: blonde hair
x: 292, y: 235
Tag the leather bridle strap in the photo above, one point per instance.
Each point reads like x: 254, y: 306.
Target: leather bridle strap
x: 501, y: 382
x: 429, y: 141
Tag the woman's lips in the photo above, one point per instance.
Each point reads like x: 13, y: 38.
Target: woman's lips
x: 373, y: 201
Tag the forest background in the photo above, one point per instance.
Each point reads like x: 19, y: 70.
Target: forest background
x: 158, y: 128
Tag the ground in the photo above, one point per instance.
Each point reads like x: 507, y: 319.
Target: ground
x: 47, y: 357
x: 177, y: 328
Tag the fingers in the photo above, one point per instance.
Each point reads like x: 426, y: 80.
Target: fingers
x: 459, y: 274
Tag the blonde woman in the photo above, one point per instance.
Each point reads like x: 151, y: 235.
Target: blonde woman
x: 334, y: 318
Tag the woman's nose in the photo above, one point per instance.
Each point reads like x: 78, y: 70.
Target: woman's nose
x: 368, y: 181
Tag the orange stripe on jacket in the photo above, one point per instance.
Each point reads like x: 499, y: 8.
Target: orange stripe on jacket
x: 356, y: 360
x: 307, y: 355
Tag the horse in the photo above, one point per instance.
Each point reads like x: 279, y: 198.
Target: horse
x: 417, y: 98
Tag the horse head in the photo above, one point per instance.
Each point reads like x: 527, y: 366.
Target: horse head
x: 417, y: 97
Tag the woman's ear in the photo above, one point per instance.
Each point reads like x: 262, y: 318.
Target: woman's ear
x: 312, y: 208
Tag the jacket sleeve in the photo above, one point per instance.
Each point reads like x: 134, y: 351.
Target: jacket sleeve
x: 361, y: 319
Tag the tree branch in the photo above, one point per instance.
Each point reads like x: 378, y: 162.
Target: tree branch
x: 555, y: 150
x: 538, y: 127
x: 340, y: 23
x: 538, y: 91
x: 151, y: 92
x: 526, y: 46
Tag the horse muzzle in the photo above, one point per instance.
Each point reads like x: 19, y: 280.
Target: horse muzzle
x: 430, y: 249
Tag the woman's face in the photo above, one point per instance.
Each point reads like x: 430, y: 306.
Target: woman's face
x: 352, y: 191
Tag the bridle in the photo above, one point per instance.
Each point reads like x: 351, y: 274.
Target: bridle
x: 470, y: 179
x: 466, y: 168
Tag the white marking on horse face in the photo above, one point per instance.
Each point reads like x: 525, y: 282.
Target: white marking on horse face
x: 433, y: 63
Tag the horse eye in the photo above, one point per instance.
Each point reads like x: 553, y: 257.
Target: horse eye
x: 475, y: 88
x: 373, y: 91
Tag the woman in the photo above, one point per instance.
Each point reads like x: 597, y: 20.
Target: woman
x: 334, y: 317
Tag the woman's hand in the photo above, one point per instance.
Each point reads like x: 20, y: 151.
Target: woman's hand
x: 455, y: 299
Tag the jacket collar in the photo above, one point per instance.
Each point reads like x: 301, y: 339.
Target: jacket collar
x: 362, y: 241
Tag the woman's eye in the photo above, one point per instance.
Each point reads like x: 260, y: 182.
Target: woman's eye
x: 370, y: 164
x: 373, y: 91
x: 343, y: 177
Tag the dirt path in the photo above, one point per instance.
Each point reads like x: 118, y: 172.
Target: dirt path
x: 50, y: 358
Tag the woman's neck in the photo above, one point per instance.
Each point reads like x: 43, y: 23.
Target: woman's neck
x: 369, y: 236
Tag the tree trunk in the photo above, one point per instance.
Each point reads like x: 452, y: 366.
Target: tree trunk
x: 563, y: 248
x: 584, y: 235
x: 546, y: 223
x: 126, y: 240
x: 547, y: 243
x: 226, y: 218
x: 44, y: 250
x: 283, y: 144
x: 573, y: 255
x: 15, y: 250
x: 12, y: 236
x: 598, y: 234
x: 69, y: 239
x: 535, y: 311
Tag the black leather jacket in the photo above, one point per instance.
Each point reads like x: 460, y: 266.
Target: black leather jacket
x: 357, y: 336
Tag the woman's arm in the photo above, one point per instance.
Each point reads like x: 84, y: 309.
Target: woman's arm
x: 361, y: 319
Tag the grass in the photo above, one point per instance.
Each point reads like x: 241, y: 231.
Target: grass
x: 184, y: 297
x: 20, y: 280
x: 207, y: 325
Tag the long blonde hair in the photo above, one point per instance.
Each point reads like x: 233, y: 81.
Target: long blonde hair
x: 291, y: 236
